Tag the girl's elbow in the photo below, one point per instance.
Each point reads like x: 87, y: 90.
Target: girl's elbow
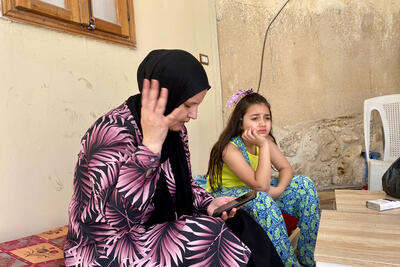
x: 291, y: 171
x: 261, y: 187
x: 288, y: 170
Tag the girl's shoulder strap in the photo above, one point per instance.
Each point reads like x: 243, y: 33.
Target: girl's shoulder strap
x: 238, y: 141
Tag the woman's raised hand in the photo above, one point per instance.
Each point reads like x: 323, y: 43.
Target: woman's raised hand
x: 154, y: 123
x: 251, y: 136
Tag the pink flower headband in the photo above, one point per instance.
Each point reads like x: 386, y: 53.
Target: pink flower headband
x: 233, y: 100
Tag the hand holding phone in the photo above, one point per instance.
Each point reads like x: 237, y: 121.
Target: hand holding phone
x: 237, y: 202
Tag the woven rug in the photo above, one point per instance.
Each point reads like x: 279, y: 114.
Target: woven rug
x: 44, y: 250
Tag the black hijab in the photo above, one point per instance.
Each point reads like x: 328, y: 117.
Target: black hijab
x: 184, y: 77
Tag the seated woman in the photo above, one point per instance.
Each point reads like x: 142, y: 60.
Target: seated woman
x: 135, y: 202
x: 241, y: 161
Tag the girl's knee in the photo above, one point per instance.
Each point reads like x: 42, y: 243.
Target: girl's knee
x: 307, y: 180
x: 264, y: 199
x: 310, y: 186
x: 304, y: 181
x: 263, y: 203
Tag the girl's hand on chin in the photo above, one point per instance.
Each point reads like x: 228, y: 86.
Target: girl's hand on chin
x: 251, y: 136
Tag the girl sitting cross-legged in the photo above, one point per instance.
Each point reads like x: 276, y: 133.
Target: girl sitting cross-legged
x: 242, y: 160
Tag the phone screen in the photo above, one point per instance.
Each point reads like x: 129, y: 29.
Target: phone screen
x: 235, y: 203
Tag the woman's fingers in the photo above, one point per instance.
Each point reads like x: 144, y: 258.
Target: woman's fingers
x: 162, y: 101
x: 224, y: 216
x: 153, y: 94
x: 154, y: 99
x: 231, y: 214
x: 145, y: 92
x: 153, y: 122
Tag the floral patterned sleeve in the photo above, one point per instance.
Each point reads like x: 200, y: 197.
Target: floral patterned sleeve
x: 201, y: 198
x: 138, y: 177
x: 112, y: 157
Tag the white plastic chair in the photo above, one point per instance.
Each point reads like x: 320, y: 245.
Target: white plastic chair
x: 388, y: 107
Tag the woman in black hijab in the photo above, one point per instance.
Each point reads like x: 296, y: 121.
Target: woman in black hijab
x: 135, y: 202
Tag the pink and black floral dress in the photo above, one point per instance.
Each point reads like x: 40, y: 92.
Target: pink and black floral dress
x: 115, y: 181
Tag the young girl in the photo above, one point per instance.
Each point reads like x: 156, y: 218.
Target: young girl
x: 241, y: 161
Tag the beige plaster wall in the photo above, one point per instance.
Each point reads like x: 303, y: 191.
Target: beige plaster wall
x: 322, y: 59
x: 54, y: 85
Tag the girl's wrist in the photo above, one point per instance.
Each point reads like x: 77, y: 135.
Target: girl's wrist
x: 280, y: 189
x: 263, y: 145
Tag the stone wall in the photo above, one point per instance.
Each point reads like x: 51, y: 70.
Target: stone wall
x: 329, y: 151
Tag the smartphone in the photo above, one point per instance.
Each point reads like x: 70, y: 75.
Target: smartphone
x: 237, y: 202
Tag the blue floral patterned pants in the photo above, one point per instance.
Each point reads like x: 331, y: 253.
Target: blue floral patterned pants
x: 300, y: 199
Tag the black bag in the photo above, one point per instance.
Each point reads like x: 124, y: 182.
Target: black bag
x: 391, y: 180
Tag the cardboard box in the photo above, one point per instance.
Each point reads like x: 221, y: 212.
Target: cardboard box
x: 383, y: 204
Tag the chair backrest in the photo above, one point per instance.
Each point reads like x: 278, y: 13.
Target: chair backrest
x: 388, y: 107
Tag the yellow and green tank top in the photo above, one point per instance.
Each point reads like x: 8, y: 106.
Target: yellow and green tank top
x: 229, y: 179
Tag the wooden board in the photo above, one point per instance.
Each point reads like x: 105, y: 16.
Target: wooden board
x: 358, y: 239
x: 354, y: 201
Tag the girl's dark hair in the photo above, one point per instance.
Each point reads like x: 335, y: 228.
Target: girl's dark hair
x: 232, y: 129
